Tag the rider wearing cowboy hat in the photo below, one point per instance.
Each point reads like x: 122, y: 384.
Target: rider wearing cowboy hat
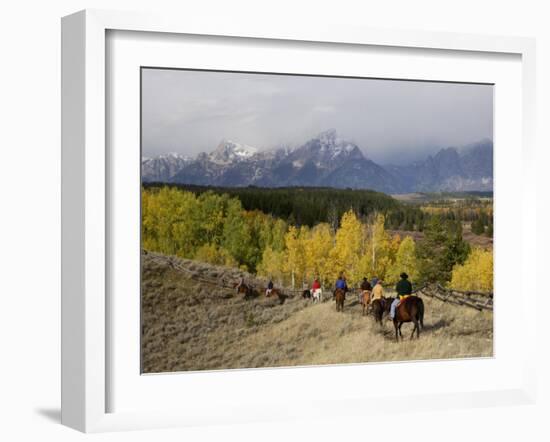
x: 403, y: 289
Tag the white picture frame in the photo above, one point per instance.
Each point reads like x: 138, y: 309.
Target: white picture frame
x: 86, y: 207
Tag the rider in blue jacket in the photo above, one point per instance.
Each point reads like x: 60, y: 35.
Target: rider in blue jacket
x: 341, y: 283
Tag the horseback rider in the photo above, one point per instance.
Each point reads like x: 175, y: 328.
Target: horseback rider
x: 365, y: 287
x: 341, y: 284
x: 378, y: 291
x: 403, y: 289
x: 316, y: 288
x: 374, y: 281
x: 269, y: 287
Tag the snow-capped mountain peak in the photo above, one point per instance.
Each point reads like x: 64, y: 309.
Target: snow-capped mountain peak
x: 229, y: 151
x: 326, y: 148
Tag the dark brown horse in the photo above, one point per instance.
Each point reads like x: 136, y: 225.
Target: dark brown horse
x: 411, y: 309
x: 340, y: 297
x: 249, y: 292
x: 378, y: 307
x: 276, y: 292
x: 273, y: 291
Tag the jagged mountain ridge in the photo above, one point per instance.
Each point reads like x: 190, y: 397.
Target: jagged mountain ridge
x: 327, y: 160
x: 450, y: 170
x: 163, y: 167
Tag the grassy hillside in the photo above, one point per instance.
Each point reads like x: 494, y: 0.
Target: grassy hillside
x: 190, y: 321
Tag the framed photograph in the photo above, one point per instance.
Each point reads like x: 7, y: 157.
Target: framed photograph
x: 251, y: 213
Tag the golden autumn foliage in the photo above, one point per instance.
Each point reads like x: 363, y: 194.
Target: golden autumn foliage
x: 405, y: 261
x: 295, y: 263
x: 347, y: 249
x: 379, y: 250
x: 216, y: 229
x: 209, y: 227
x: 273, y: 265
x: 476, y: 273
x: 317, y: 246
x: 215, y: 255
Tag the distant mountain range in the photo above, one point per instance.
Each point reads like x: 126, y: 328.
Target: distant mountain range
x: 326, y: 161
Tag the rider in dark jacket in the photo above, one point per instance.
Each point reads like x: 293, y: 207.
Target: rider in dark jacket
x: 403, y: 288
x: 365, y: 285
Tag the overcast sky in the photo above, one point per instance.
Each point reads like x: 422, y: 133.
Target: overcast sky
x: 391, y: 121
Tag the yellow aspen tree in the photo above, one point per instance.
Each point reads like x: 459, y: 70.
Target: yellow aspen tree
x: 317, y: 250
x: 379, y: 251
x: 345, y: 255
x: 272, y: 265
x: 295, y: 259
x: 476, y: 273
x: 405, y: 261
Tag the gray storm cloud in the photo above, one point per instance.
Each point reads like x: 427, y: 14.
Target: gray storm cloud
x: 391, y: 121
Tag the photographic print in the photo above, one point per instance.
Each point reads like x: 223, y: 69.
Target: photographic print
x: 304, y: 220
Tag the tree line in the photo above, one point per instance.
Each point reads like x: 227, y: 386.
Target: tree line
x: 216, y: 228
x: 312, y: 205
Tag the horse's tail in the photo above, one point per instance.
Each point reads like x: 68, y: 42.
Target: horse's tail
x: 421, y: 312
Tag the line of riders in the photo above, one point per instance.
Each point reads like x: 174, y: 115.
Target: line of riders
x: 373, y: 290
x: 370, y: 291
x: 404, y: 308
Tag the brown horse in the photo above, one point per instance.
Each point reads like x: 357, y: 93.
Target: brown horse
x: 411, y: 309
x: 340, y: 297
x: 249, y: 292
x: 378, y: 307
x: 365, y: 300
x: 276, y: 292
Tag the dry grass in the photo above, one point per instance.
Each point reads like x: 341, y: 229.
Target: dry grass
x: 190, y: 325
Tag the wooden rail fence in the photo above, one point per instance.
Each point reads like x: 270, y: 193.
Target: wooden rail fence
x: 477, y: 300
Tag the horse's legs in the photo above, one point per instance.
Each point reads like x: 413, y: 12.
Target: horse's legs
x: 400, y: 334
x: 415, y: 327
x: 396, y: 330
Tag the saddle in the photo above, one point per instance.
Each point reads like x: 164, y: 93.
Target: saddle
x: 402, y: 299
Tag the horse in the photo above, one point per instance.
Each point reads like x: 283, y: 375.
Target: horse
x: 282, y: 296
x: 365, y: 300
x: 340, y: 297
x: 317, y: 295
x: 378, y: 307
x: 411, y: 309
x: 248, y: 291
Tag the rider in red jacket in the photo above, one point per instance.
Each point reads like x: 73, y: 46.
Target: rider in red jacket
x: 316, y: 285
